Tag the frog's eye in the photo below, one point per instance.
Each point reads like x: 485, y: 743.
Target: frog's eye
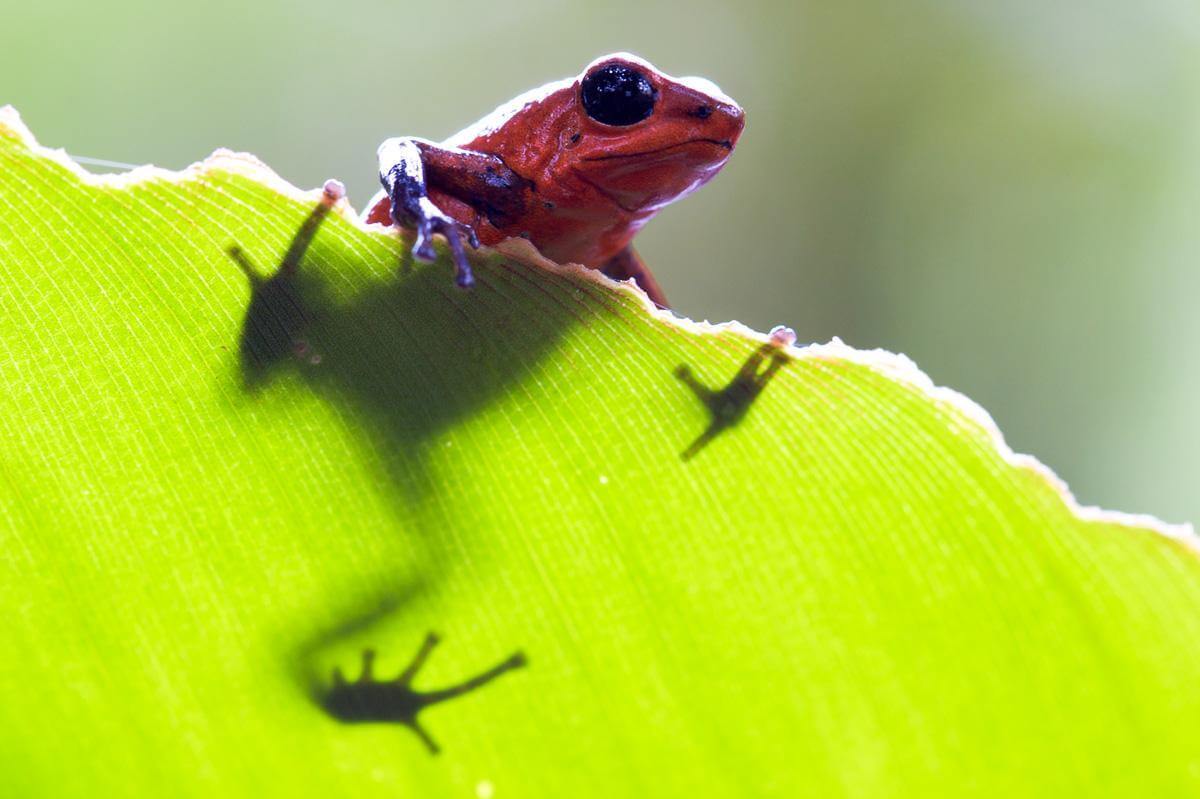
x: 615, y: 94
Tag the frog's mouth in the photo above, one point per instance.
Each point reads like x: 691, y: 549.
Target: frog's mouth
x: 645, y: 180
x: 724, y: 145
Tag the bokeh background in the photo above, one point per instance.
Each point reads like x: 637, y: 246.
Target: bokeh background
x: 1005, y: 191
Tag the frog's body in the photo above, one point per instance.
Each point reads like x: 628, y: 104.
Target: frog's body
x: 546, y: 167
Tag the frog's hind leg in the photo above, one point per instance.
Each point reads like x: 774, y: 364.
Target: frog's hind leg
x: 628, y: 264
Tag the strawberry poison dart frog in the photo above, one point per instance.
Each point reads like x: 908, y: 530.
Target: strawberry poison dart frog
x: 577, y: 167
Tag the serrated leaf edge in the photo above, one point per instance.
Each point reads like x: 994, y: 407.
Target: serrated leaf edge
x: 895, y: 366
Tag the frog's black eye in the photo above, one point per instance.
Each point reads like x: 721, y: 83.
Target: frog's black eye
x: 615, y: 94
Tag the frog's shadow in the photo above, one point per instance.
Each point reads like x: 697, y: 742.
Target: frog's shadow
x: 410, y: 355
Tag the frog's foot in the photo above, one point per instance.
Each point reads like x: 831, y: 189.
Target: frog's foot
x: 402, y: 174
x: 332, y: 191
x: 455, y: 232
x: 782, y: 336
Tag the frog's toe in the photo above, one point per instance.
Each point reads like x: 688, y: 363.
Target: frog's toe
x: 455, y: 232
x: 463, y: 276
x: 422, y: 249
x: 464, y: 279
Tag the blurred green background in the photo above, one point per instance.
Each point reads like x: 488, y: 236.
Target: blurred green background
x: 1004, y: 191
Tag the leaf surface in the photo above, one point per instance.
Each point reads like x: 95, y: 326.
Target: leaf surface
x: 217, y: 489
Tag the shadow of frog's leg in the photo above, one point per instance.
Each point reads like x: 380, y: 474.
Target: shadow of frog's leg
x: 708, y: 396
x: 514, y: 661
x: 700, y: 443
x: 410, y: 671
x: 420, y: 732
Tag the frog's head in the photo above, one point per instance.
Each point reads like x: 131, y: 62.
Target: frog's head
x: 644, y: 138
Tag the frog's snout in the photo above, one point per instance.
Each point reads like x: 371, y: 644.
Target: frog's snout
x: 719, y: 113
x: 726, y: 122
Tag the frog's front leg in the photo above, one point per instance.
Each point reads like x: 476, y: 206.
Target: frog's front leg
x: 403, y: 175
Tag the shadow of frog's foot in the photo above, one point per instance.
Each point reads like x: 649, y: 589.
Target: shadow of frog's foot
x: 395, y: 701
x: 728, y: 405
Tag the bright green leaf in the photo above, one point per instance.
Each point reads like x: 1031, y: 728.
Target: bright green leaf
x: 213, y: 493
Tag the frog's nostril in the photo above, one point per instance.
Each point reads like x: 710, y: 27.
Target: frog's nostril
x: 703, y: 112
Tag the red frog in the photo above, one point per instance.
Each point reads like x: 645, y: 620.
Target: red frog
x: 577, y: 167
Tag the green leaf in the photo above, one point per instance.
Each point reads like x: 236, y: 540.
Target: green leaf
x: 217, y: 489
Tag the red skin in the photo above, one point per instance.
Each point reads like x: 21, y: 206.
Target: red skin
x: 587, y: 187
